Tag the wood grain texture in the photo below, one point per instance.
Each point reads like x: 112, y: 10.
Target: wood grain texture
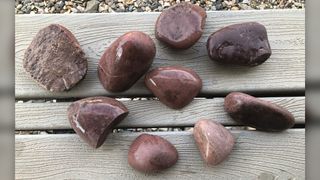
x: 256, y: 155
x: 145, y: 113
x: 284, y: 71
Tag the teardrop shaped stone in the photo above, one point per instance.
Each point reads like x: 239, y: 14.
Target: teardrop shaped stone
x: 214, y: 141
x: 94, y: 118
x: 181, y: 26
x: 151, y: 153
x: 257, y: 113
x: 175, y: 86
x: 243, y: 44
x: 125, y: 61
x: 54, y: 59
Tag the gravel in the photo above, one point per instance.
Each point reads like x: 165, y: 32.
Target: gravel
x: 110, y: 6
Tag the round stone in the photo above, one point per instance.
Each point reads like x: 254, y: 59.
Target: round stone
x: 181, y: 26
x: 243, y: 44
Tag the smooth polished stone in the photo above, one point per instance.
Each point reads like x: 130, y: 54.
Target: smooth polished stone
x: 151, y: 153
x: 125, y: 61
x: 94, y: 118
x: 214, y: 141
x: 181, y: 26
x: 257, y: 113
x: 54, y: 59
x: 243, y: 44
x: 175, y: 86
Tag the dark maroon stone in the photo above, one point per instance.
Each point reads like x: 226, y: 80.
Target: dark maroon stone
x: 174, y: 86
x: 214, y: 141
x: 94, y: 118
x: 125, y: 61
x: 151, y: 153
x: 54, y: 59
x: 257, y: 113
x: 240, y: 44
x: 181, y: 26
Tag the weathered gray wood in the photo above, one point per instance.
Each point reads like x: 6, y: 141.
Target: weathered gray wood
x: 144, y: 113
x: 284, y: 71
x: 66, y: 156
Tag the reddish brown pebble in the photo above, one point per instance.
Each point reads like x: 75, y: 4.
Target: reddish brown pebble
x: 257, y: 113
x: 174, y: 86
x: 181, y: 26
x: 214, y: 141
x: 240, y: 44
x: 54, y: 59
x: 94, y: 118
x: 151, y: 153
x: 125, y: 61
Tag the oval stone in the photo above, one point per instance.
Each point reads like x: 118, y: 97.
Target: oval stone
x: 151, y: 153
x: 240, y: 44
x: 175, y: 86
x: 214, y: 141
x: 94, y: 118
x: 54, y: 59
x: 181, y: 26
x: 125, y: 61
x: 257, y: 113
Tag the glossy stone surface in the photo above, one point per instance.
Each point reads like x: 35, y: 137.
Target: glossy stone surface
x: 175, y: 86
x: 125, y: 61
x: 214, y: 141
x: 181, y: 26
x: 257, y: 113
x: 240, y: 44
x: 94, y: 118
x: 151, y: 153
x: 54, y: 59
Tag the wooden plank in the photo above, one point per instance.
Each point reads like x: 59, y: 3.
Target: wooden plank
x: 256, y: 155
x: 284, y: 71
x: 145, y: 113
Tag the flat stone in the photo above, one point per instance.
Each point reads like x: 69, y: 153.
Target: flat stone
x: 151, y: 153
x: 175, y: 86
x: 181, y: 25
x: 125, y: 61
x: 95, y: 117
x: 214, y: 141
x: 92, y: 6
x: 257, y: 113
x: 54, y: 59
x: 240, y: 44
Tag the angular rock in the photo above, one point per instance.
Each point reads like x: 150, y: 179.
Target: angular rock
x: 214, y: 141
x: 94, y: 118
x: 181, y: 26
x: 54, y: 59
x: 257, y: 113
x: 175, y: 86
x: 125, y: 61
x: 243, y: 44
x: 151, y: 153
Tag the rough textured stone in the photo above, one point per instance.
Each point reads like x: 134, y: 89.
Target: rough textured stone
x: 151, y: 153
x: 175, y: 86
x: 54, y: 59
x: 214, y: 141
x: 94, y: 118
x: 125, y: 61
x: 181, y: 26
x: 241, y: 44
x: 257, y: 113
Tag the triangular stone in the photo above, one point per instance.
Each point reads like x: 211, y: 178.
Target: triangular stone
x: 174, y: 86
